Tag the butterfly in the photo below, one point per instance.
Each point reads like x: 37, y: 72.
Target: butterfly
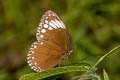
x: 52, y: 45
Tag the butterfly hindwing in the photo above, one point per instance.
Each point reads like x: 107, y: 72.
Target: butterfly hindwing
x: 44, y: 56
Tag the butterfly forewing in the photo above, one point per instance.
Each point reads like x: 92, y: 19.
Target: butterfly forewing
x: 52, y: 28
x: 52, y: 43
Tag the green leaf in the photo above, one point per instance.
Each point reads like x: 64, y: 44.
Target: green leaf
x: 53, y: 72
x: 109, y: 54
x: 105, y: 75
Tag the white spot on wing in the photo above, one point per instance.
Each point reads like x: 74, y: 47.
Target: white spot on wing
x: 31, y: 49
x: 37, y: 34
x: 41, y: 43
x: 45, y: 26
x: 35, y: 63
x: 50, y: 28
x: 40, y: 24
x: 35, y: 69
x: 39, y: 28
x: 43, y: 30
x: 41, y: 36
x: 28, y: 58
x: 53, y: 14
x: 32, y: 52
x: 46, y: 21
x: 29, y: 54
x: 33, y: 58
x: 35, y: 42
x: 38, y: 31
x: 32, y: 45
x: 35, y: 46
x: 30, y: 64
x: 46, y: 17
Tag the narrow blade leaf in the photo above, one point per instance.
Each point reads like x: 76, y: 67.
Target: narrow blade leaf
x: 109, y: 54
x: 105, y: 75
x: 53, y: 72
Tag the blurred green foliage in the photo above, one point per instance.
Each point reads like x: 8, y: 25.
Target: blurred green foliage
x: 93, y: 25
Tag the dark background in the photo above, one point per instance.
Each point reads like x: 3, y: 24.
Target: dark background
x: 93, y: 25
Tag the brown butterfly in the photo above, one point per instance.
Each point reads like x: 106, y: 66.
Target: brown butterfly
x: 52, y: 45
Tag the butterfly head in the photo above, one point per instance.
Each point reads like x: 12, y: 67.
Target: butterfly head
x: 70, y: 51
